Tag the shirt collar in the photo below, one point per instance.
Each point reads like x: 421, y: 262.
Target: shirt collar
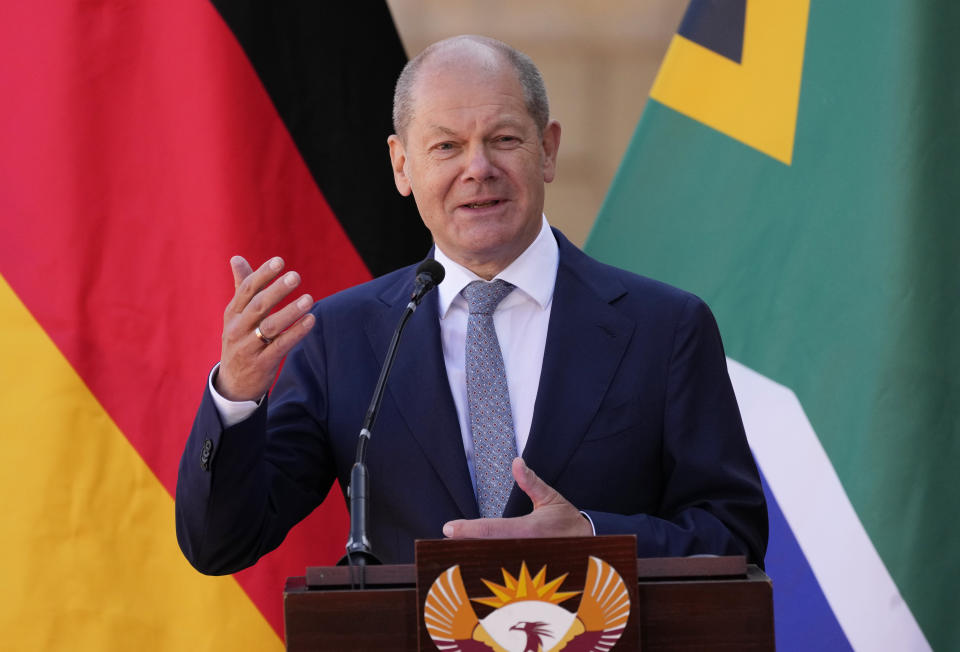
x: 534, y: 272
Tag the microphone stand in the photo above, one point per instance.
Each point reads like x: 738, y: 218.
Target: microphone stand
x: 359, y: 551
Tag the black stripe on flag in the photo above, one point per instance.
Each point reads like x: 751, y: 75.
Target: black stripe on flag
x: 330, y: 70
x: 716, y: 25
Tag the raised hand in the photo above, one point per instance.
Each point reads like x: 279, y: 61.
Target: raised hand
x: 552, y: 515
x: 254, y: 340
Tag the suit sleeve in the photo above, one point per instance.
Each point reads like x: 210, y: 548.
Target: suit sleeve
x: 240, y: 489
x: 711, y: 500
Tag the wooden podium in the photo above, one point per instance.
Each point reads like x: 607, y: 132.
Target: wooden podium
x: 691, y: 603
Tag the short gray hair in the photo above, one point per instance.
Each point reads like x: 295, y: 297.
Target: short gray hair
x: 534, y: 90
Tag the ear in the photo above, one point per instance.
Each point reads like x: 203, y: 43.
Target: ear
x: 398, y: 159
x: 551, y: 143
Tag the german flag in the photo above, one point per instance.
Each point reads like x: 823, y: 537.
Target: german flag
x: 141, y: 145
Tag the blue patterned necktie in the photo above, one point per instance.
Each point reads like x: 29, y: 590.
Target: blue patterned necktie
x: 488, y: 400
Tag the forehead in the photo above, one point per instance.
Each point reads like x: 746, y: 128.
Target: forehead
x: 477, y: 85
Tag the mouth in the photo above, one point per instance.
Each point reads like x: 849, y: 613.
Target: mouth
x: 482, y: 204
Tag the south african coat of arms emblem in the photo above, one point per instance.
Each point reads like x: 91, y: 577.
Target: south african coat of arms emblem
x: 528, y: 613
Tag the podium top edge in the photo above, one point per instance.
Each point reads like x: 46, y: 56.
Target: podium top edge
x: 648, y: 569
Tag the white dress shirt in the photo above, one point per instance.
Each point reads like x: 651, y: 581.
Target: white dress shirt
x: 520, y: 320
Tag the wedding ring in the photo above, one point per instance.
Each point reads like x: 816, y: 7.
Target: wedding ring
x: 260, y: 336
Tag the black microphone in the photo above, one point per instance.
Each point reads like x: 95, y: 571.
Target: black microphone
x: 429, y: 275
x: 359, y: 553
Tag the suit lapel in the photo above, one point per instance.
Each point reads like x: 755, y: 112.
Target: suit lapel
x: 420, y: 390
x: 586, y: 340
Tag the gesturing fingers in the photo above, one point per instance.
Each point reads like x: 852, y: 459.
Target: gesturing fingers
x: 556, y: 520
x: 254, y: 340
x: 252, y: 293
x: 255, y: 297
x: 248, y: 323
x: 552, y: 515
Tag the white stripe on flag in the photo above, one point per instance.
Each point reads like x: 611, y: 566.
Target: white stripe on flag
x: 851, y: 574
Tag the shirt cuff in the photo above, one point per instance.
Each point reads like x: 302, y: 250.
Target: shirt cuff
x: 590, y: 520
x: 231, y: 412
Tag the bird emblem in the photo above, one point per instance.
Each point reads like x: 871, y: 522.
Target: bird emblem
x: 535, y: 633
x: 527, y: 616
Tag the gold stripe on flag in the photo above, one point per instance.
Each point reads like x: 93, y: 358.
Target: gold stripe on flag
x: 90, y: 558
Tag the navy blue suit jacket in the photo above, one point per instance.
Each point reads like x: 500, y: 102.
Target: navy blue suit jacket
x: 635, y: 423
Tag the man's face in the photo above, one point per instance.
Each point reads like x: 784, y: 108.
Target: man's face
x: 475, y: 162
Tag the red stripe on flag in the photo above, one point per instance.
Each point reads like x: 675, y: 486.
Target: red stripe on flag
x: 138, y: 152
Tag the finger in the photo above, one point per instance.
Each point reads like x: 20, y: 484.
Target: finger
x: 485, y: 528
x: 239, y: 338
x: 530, y: 483
x: 251, y: 284
x: 241, y: 269
x: 274, y: 325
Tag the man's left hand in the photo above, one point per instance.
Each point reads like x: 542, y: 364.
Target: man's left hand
x: 552, y: 515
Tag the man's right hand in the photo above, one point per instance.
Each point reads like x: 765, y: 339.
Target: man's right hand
x: 248, y: 364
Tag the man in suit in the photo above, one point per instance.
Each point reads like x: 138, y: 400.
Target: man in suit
x: 611, y: 389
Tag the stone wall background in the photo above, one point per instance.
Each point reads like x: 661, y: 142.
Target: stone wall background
x: 598, y: 59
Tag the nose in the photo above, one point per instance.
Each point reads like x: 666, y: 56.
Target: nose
x: 479, y: 166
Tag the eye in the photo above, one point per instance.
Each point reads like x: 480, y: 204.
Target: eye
x: 444, y: 147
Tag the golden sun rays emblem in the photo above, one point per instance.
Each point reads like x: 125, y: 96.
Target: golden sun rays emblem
x: 527, y: 615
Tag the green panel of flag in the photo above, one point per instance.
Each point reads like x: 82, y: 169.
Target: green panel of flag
x: 837, y: 275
